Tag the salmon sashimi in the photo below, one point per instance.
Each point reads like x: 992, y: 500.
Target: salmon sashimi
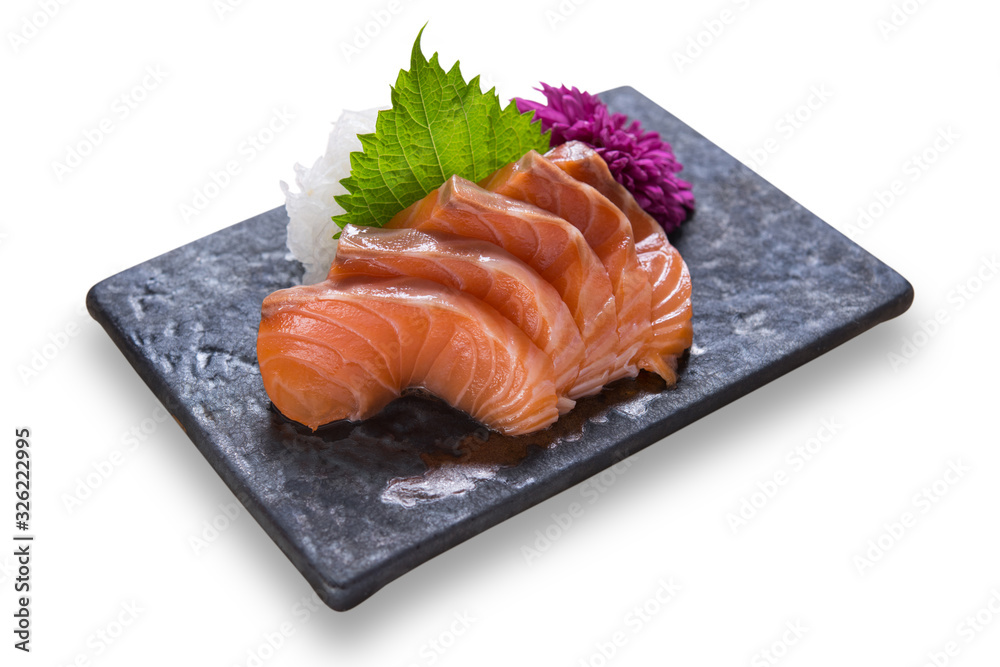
x: 476, y: 267
x: 535, y: 180
x: 668, y: 274
x: 555, y: 249
x: 345, y: 347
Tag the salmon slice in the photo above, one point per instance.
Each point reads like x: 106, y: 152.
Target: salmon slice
x: 535, y: 180
x: 555, y: 249
x: 345, y: 347
x: 476, y: 267
x: 668, y: 274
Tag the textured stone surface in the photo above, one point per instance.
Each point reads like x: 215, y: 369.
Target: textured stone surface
x: 356, y: 505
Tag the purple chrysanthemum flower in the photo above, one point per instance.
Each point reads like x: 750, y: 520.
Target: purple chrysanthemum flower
x: 639, y: 160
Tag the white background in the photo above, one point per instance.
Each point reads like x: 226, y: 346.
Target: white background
x: 124, y: 553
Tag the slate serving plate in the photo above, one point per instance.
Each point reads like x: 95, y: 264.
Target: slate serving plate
x: 356, y: 505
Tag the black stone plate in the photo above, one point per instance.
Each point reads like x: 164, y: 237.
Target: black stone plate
x: 356, y: 505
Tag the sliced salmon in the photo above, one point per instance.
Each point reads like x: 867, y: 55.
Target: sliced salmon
x: 476, y: 267
x: 668, y: 274
x: 535, y: 180
x: 555, y: 249
x: 345, y: 347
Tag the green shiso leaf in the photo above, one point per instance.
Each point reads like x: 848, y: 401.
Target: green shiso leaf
x: 438, y: 126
